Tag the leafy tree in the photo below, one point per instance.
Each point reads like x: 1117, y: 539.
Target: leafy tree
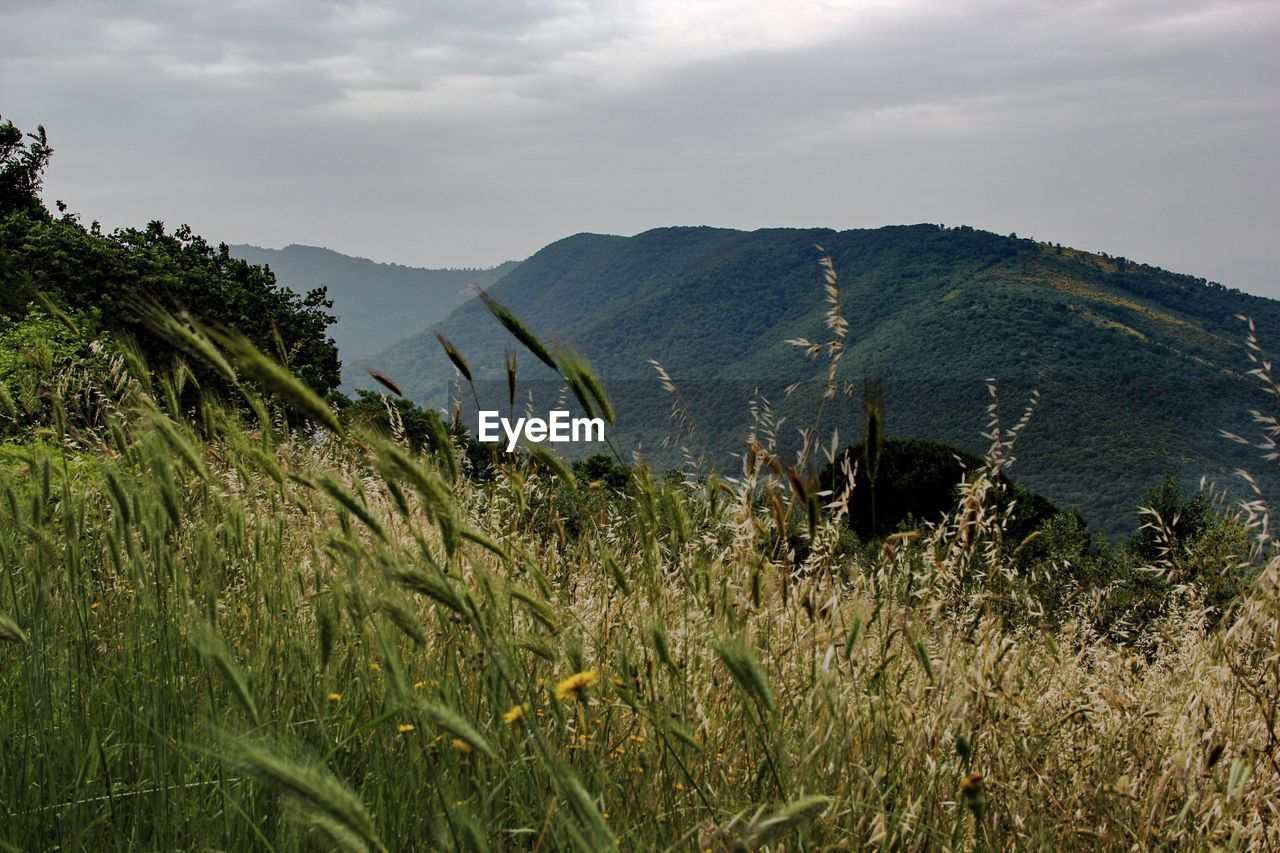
x: 1174, y: 521
x: 1183, y: 547
x: 125, y: 276
x: 916, y: 483
x: 392, y: 416
x: 600, y: 468
x: 23, y: 158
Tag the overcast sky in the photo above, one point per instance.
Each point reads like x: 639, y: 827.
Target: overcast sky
x: 466, y: 133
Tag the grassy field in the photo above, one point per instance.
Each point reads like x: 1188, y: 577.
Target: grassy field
x: 225, y: 637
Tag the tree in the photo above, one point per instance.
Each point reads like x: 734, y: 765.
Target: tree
x: 916, y: 482
x: 23, y: 158
x: 127, y: 275
x: 600, y: 468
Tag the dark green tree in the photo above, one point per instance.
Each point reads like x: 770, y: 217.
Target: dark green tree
x: 23, y: 158
x: 126, y: 276
x: 600, y: 468
x: 916, y: 482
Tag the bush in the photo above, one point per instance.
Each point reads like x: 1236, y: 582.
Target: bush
x: 916, y: 484
x: 53, y: 376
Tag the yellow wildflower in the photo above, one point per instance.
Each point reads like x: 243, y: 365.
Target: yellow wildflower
x: 405, y: 728
x: 462, y: 746
x: 334, y: 697
x: 374, y: 666
x: 573, y: 686
x: 515, y: 715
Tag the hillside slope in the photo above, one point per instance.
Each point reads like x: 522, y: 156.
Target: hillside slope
x: 376, y: 303
x: 1138, y: 368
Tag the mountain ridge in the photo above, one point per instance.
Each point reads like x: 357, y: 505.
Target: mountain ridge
x: 1139, y: 368
x: 376, y: 303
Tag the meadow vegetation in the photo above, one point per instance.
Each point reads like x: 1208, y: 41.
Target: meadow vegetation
x: 247, y: 634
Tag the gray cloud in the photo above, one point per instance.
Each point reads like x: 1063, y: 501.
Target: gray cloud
x: 446, y: 133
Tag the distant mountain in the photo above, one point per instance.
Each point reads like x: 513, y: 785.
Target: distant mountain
x: 377, y: 304
x: 1138, y: 368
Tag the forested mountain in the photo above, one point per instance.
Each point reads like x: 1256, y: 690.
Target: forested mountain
x: 1138, y: 368
x: 375, y: 303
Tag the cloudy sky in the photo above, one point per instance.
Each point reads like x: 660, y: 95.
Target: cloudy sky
x: 449, y: 133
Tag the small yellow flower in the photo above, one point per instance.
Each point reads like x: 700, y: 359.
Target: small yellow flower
x: 334, y: 697
x: 679, y: 786
x: 374, y: 666
x: 95, y: 605
x: 515, y: 715
x: 573, y: 686
x: 462, y: 746
x: 406, y: 728
x: 418, y: 685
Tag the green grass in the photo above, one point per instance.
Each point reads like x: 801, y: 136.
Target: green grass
x: 250, y: 640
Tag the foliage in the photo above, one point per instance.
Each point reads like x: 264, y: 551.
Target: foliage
x: 23, y: 158
x: 600, y: 469
x: 54, y: 376
x: 391, y: 416
x: 246, y: 639
x: 1184, y: 546
x: 916, y: 483
x: 125, y: 277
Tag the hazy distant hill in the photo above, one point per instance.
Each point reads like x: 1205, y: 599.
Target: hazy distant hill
x: 1138, y: 367
x: 376, y: 304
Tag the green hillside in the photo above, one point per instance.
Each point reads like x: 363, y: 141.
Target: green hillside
x: 1138, y: 368
x: 375, y: 303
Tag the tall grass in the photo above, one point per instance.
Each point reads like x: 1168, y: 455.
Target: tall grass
x: 222, y: 636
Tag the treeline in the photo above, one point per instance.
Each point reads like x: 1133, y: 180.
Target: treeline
x: 68, y: 289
